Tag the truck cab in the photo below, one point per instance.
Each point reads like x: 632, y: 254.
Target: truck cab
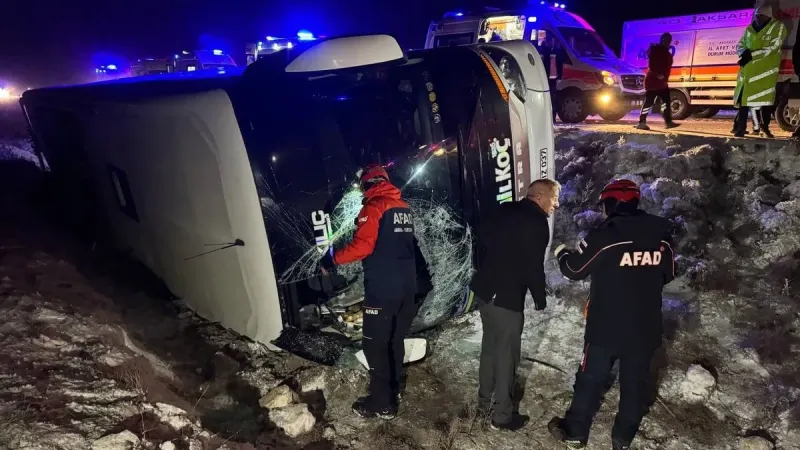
x: 595, y: 80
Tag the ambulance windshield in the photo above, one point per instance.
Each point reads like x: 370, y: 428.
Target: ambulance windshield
x: 585, y: 43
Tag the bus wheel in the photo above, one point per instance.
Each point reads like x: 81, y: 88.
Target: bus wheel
x: 573, y: 108
x: 705, y: 113
x: 680, y: 105
x: 788, y: 117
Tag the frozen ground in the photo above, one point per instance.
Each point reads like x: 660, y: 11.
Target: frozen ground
x: 93, y: 356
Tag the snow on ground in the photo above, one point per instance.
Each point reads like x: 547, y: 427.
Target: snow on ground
x: 92, y: 354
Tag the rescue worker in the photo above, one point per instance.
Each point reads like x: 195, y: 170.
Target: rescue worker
x: 629, y: 257
x: 384, y: 242
x: 656, y: 82
x: 759, y: 53
x: 513, y: 248
x: 554, y: 67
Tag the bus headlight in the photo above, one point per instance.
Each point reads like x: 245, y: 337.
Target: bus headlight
x: 513, y: 75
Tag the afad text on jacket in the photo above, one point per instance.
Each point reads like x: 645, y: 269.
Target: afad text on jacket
x: 384, y: 243
x: 630, y: 259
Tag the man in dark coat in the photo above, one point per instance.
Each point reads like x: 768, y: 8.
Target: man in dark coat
x: 384, y: 243
x: 656, y: 82
x: 512, y: 249
x: 630, y: 259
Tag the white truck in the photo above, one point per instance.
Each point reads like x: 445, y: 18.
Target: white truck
x: 594, y: 80
x: 705, y: 65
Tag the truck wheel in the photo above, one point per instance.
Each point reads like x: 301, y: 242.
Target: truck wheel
x: 705, y: 113
x: 680, y: 105
x: 613, y: 115
x: 788, y: 118
x: 573, y: 108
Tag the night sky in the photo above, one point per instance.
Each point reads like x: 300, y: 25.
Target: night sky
x: 57, y: 41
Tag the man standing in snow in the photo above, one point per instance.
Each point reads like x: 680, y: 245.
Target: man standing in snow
x: 630, y: 259
x: 759, y: 53
x: 553, y: 59
x: 659, y: 66
x: 513, y: 244
x: 384, y: 242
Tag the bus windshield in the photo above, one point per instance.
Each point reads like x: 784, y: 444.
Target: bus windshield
x: 585, y: 43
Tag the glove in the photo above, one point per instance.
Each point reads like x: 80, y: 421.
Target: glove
x: 540, y: 306
x: 327, y: 263
x: 559, y: 250
x: 746, y: 57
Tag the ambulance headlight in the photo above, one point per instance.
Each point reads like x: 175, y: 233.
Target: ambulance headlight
x: 608, y: 78
x: 513, y: 75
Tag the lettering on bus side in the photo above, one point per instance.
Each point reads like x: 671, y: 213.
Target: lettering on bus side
x: 322, y: 230
x: 543, y: 162
x: 502, y: 170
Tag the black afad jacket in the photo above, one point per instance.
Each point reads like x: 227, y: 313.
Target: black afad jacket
x: 630, y: 259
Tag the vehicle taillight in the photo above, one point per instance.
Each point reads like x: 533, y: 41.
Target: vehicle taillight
x: 496, y: 78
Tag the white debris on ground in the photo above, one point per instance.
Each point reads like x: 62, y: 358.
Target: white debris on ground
x: 89, y: 361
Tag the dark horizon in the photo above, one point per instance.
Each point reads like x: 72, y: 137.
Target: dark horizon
x: 48, y: 42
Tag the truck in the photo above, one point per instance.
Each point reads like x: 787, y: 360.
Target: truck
x: 705, y: 65
x: 595, y: 80
x: 229, y: 186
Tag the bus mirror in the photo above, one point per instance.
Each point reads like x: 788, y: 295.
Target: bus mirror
x: 346, y: 53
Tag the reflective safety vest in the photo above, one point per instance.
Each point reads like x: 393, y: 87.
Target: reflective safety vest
x: 755, y: 85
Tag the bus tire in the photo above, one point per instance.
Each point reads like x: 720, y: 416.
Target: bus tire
x: 705, y: 113
x: 681, y: 109
x: 788, y: 118
x: 572, y: 106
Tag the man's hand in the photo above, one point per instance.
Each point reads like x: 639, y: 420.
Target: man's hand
x: 559, y: 250
x: 327, y: 264
x: 746, y: 57
x: 540, y: 306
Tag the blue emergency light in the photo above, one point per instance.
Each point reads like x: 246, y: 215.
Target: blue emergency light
x: 304, y: 35
x: 217, y: 52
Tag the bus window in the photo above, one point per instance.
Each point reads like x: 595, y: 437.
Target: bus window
x: 449, y: 40
x: 502, y: 28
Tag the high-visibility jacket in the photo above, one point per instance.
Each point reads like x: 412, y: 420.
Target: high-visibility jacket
x: 755, y: 85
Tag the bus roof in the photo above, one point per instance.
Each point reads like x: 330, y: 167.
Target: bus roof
x: 725, y: 19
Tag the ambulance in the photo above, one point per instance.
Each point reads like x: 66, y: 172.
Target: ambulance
x: 705, y: 64
x: 595, y: 81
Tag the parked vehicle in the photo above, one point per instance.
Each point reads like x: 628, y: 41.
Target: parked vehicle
x: 595, y: 81
x: 705, y: 60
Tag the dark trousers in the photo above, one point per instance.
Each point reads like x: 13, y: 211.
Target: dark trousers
x: 761, y: 118
x: 554, y: 95
x: 591, y: 383
x: 501, y: 349
x: 385, y: 329
x: 650, y: 100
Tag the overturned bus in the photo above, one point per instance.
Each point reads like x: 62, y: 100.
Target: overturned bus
x: 229, y: 185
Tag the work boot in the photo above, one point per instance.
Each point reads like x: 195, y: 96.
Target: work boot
x: 768, y: 133
x: 556, y: 428
x: 619, y: 445
x: 364, y: 408
x: 739, y: 134
x: 669, y: 125
x: 517, y: 422
x: 642, y: 126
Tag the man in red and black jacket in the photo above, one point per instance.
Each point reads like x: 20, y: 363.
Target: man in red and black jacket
x: 629, y: 257
x: 656, y: 82
x: 384, y: 243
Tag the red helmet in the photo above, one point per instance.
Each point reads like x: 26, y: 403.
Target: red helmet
x: 621, y: 191
x: 371, y: 172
